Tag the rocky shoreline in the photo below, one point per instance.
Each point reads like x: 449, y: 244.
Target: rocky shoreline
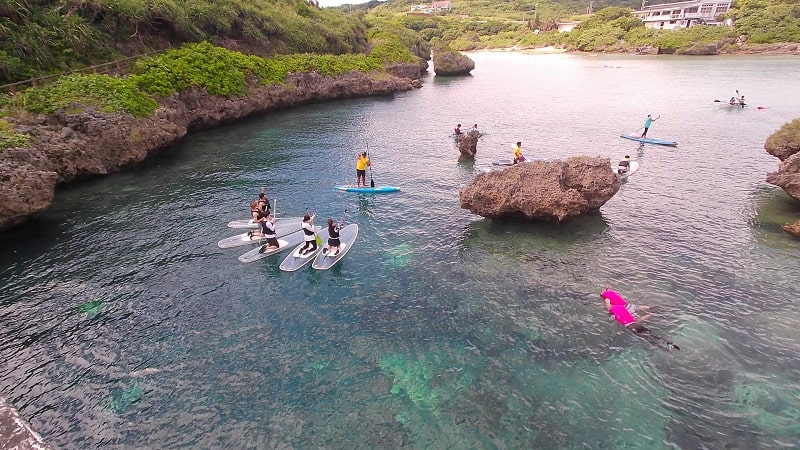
x: 720, y: 48
x: 75, y: 145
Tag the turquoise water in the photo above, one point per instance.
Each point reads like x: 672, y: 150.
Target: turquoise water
x: 124, y: 326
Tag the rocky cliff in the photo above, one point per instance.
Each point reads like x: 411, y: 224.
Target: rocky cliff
x: 71, y: 145
x: 785, y: 145
x: 543, y: 190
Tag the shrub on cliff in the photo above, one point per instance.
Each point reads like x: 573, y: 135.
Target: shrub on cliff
x: 110, y: 94
x: 10, y: 138
x: 223, y: 72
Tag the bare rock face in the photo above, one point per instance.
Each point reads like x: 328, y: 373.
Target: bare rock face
x: 551, y: 191
x: 69, y: 146
x: 468, y: 146
x: 793, y: 229
x: 450, y: 62
x: 785, y: 145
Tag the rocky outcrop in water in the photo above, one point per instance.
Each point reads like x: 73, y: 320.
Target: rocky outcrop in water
x: 467, y: 145
x: 542, y: 190
x: 16, y: 432
x: 72, y: 145
x: 785, y: 145
x: 450, y: 62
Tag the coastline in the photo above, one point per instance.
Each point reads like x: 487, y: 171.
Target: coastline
x: 783, y: 48
x: 74, y: 145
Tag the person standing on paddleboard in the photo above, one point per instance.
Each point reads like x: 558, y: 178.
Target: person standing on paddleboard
x: 647, y: 122
x: 361, y: 169
x: 518, y: 158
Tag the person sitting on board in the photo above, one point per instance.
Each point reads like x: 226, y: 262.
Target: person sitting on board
x: 624, y: 166
x: 257, y: 217
x: 263, y: 202
x: 647, y: 122
x: 733, y: 101
x: 268, y: 229
x: 613, y: 298
x: 333, y: 238
x: 627, y: 320
x: 474, y: 128
x: 309, y: 236
x: 741, y: 101
x: 361, y: 169
x: 518, y: 158
x: 457, y: 130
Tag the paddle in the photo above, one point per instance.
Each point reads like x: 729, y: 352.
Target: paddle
x: 371, y: 181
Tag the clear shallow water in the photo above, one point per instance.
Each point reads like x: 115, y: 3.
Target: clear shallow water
x: 124, y: 326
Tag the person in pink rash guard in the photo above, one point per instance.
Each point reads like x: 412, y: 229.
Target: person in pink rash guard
x: 613, y: 298
x: 627, y: 320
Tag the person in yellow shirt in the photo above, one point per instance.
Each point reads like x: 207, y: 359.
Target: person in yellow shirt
x: 361, y: 169
x: 518, y: 158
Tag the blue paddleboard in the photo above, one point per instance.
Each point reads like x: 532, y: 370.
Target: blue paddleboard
x: 368, y: 190
x: 649, y: 140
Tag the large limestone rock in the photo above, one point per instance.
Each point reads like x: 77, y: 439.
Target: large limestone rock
x: 450, y: 62
x: 543, y: 190
x: 85, y: 142
x: 785, y: 145
x: 468, y: 146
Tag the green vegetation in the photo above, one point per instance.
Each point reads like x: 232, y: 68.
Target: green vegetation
x: 10, y: 138
x: 44, y: 36
x: 786, y: 140
x: 477, y: 24
x: 218, y: 70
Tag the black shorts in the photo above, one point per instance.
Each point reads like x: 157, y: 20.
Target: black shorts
x: 638, y: 329
x: 360, y: 172
x: 273, y: 242
x: 334, y: 242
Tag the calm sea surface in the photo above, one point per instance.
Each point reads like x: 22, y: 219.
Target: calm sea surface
x: 122, y: 325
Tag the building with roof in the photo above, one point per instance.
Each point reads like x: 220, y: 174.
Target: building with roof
x: 672, y: 16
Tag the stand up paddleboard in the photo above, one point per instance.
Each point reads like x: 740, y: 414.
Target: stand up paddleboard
x: 634, y: 166
x: 296, y: 261
x: 283, y: 244
x: 248, y: 223
x: 282, y: 228
x: 647, y: 140
x: 368, y: 190
x: 347, y: 236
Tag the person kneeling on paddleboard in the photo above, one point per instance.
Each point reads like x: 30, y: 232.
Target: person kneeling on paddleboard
x: 309, y: 236
x: 258, y: 217
x: 333, y: 239
x: 268, y: 228
x: 624, y: 165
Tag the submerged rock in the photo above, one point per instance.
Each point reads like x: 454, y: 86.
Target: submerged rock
x: 543, y: 190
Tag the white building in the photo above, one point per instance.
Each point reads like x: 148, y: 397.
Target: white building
x: 671, y: 16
